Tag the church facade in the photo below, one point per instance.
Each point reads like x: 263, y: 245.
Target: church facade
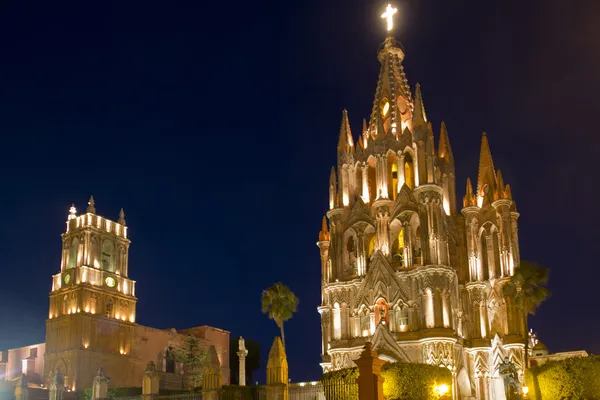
x: 403, y: 265
x: 92, y: 318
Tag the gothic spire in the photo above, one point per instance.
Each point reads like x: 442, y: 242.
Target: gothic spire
x: 487, y: 173
x: 444, y: 149
x: 91, y: 208
x: 419, y: 117
x: 122, y: 218
x: 345, y: 143
x: 392, y: 96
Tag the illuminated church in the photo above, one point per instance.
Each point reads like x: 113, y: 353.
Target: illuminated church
x: 92, y: 318
x: 402, y: 266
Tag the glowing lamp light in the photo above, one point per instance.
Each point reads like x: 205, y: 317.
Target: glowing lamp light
x: 87, y: 309
x: 121, y: 351
x: 118, y: 316
x: 525, y: 390
x: 442, y: 390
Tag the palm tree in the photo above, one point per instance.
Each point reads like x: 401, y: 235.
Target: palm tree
x: 527, y: 288
x: 279, y: 303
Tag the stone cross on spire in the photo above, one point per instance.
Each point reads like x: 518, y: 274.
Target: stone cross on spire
x: 389, y: 16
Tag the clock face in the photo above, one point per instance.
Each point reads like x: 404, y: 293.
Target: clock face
x: 67, y: 279
x: 110, y: 281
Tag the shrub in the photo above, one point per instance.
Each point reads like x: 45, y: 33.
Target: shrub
x: 404, y: 381
x: 573, y: 378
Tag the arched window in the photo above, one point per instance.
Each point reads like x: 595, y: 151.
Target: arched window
x: 93, y: 255
x: 108, y: 256
x: 65, y: 305
x: 109, y: 308
x: 409, y: 171
x: 169, y: 361
x: 73, y: 253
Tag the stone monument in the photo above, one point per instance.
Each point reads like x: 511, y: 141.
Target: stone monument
x: 277, y: 372
x: 100, y: 386
x: 242, y: 353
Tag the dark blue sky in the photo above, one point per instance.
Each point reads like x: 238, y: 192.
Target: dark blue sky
x: 214, y: 125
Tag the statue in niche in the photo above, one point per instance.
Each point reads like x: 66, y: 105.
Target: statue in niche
x: 508, y: 372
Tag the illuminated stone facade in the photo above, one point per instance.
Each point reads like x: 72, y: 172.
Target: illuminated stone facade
x: 401, y: 267
x: 92, y: 317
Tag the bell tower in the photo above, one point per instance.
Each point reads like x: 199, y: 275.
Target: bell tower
x: 92, y: 312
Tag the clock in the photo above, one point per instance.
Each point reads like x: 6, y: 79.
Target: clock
x: 110, y: 281
x: 67, y: 279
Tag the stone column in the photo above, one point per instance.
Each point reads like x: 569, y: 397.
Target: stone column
x: 100, y: 386
x: 57, y: 387
x: 370, y: 381
x: 277, y: 372
x: 242, y: 353
x: 150, y: 382
x: 21, y: 390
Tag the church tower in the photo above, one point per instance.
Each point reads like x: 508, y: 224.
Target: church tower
x: 91, y: 321
x: 401, y: 267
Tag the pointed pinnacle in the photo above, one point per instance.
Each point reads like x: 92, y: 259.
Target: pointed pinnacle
x: 332, y: 177
x: 444, y: 149
x: 419, y: 117
x: 345, y: 143
x: 487, y: 173
x: 324, y: 234
x: 364, y: 126
x: 91, y: 206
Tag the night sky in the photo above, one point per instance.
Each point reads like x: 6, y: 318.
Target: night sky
x: 214, y: 125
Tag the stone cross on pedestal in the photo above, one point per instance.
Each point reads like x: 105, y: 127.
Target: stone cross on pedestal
x: 242, y: 353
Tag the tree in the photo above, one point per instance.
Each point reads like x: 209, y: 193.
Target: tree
x: 527, y: 287
x: 193, y: 357
x: 279, y: 303
x: 252, y: 360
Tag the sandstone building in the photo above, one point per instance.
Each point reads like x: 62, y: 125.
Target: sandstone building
x: 403, y: 265
x: 92, y: 317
